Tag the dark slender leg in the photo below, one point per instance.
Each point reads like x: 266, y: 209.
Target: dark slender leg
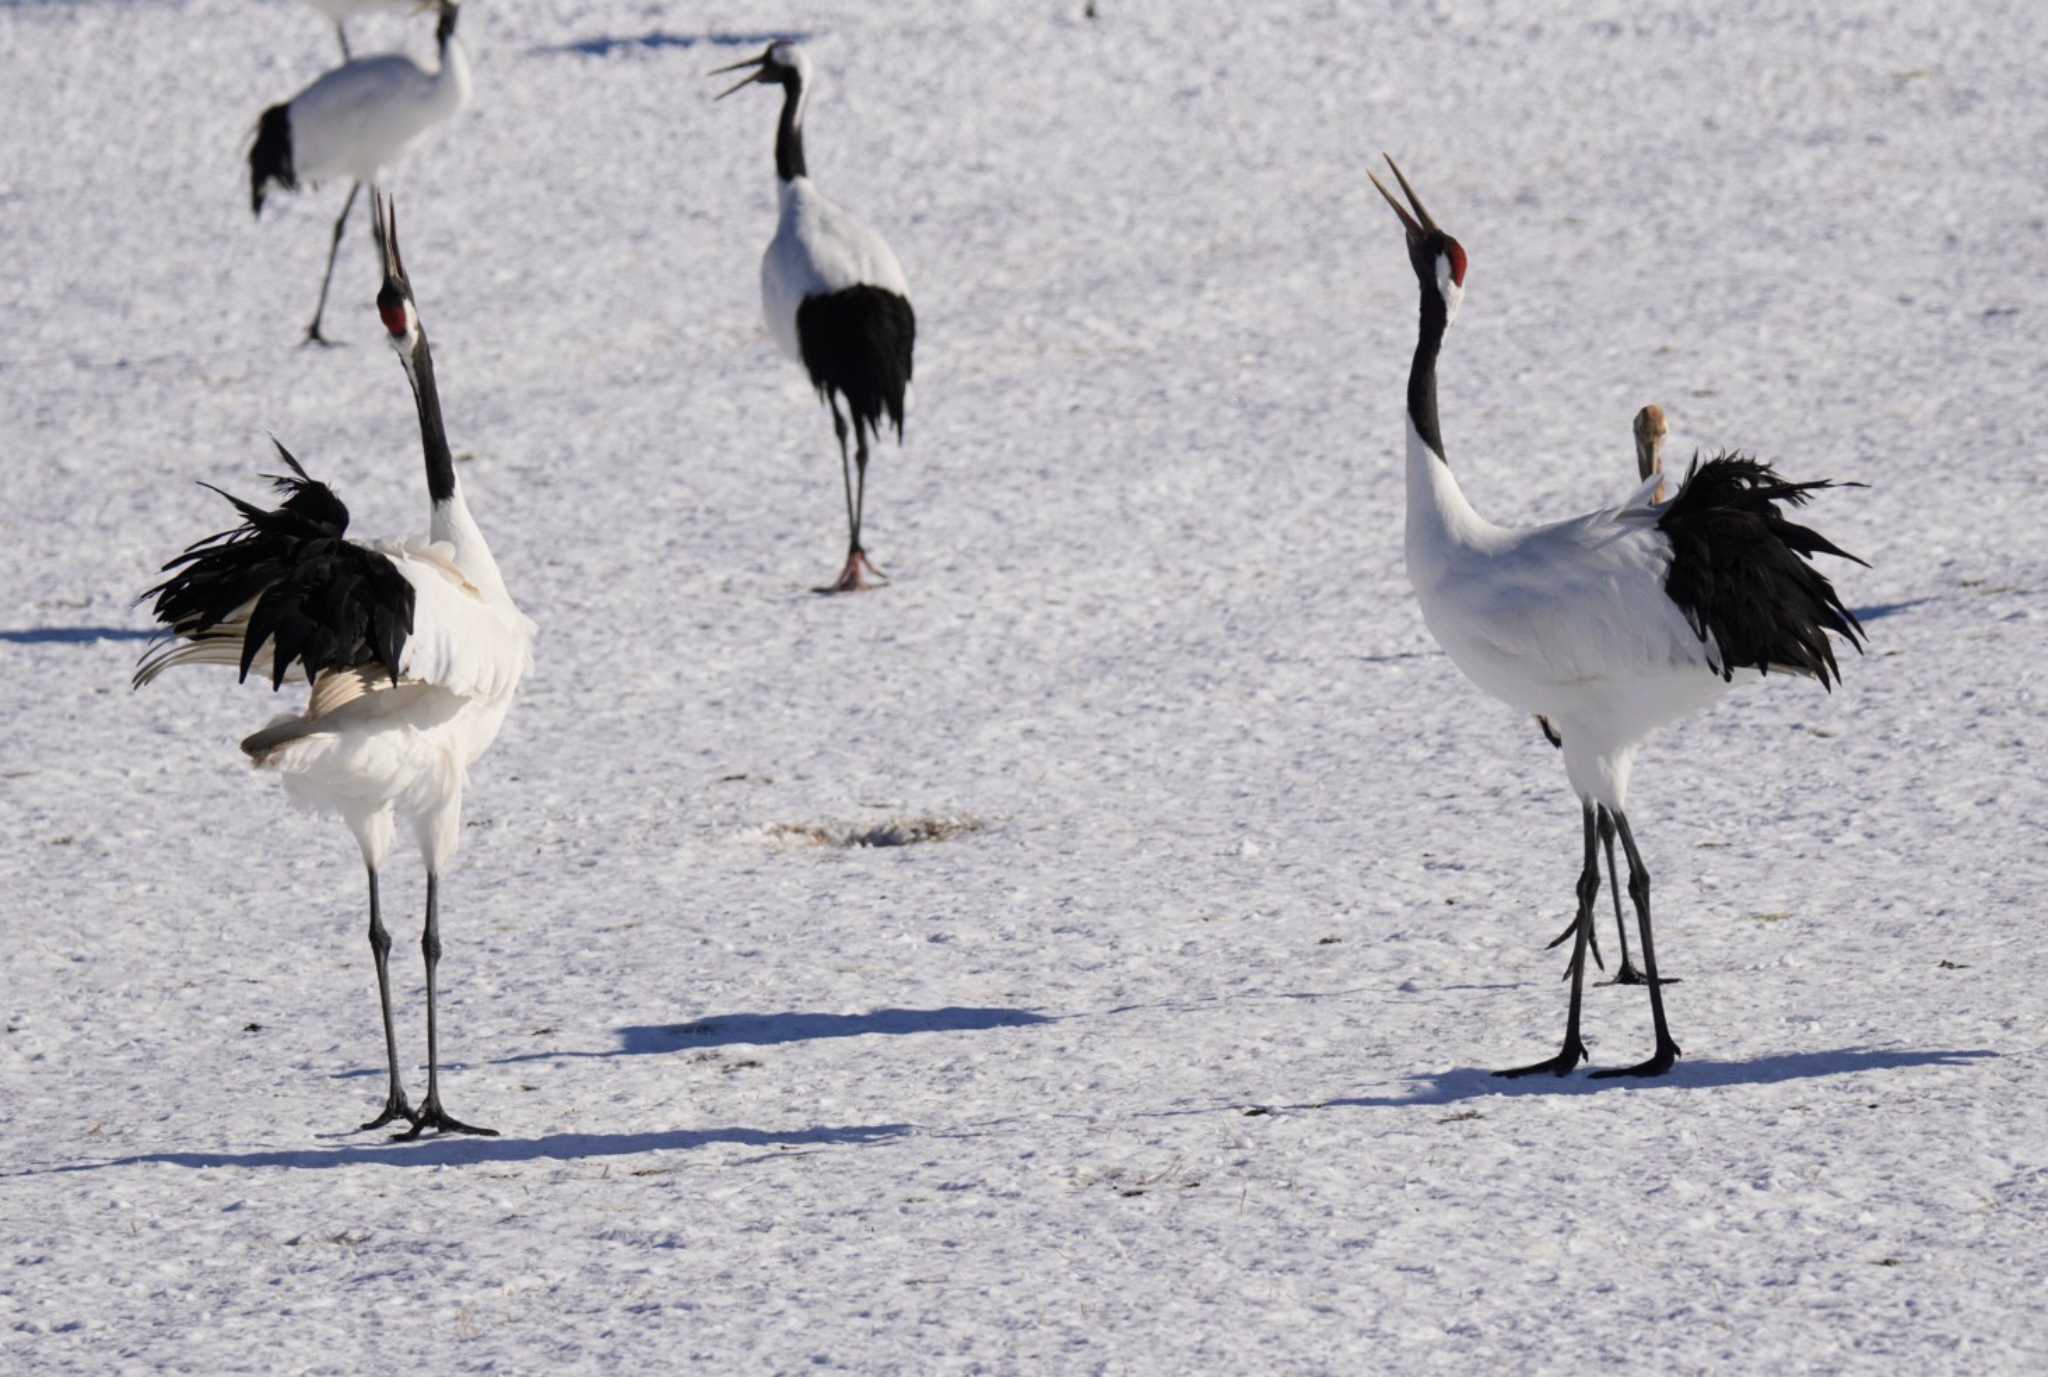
x: 342, y: 34
x: 860, y: 498
x: 313, y: 335
x: 431, y: 1114
x: 1574, y: 1051
x: 854, y: 573
x: 1639, y: 890
x: 395, y: 1106
x: 846, y: 477
x: 1628, y: 974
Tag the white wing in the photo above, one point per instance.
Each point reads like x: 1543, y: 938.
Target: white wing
x: 1570, y: 606
x: 362, y: 114
x: 460, y: 640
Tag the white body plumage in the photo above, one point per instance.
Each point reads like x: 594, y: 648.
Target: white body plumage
x: 818, y: 248
x: 403, y: 752
x: 1569, y: 620
x: 356, y: 119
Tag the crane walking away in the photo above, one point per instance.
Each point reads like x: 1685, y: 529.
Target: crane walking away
x: 413, y: 650
x: 835, y: 299
x: 1609, y: 624
x: 1650, y: 429
x: 353, y: 122
x: 339, y: 11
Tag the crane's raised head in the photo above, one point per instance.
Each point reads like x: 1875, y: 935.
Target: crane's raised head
x: 780, y: 64
x: 1438, y: 259
x: 394, y: 299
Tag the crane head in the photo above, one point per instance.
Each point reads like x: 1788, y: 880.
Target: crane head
x: 1438, y: 259
x: 781, y: 64
x: 394, y: 299
x: 451, y: 10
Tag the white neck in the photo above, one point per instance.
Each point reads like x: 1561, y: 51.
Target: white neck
x: 452, y: 524
x: 1440, y: 520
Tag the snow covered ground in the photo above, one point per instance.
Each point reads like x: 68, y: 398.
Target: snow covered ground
x: 1163, y: 1049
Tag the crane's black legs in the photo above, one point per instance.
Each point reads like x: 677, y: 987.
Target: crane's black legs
x: 1639, y: 891
x: 313, y: 335
x: 853, y: 575
x: 431, y: 1114
x: 395, y: 1106
x: 1628, y: 974
x: 1574, y: 1051
x: 342, y: 34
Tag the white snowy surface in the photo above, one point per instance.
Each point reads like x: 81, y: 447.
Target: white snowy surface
x: 1223, y: 831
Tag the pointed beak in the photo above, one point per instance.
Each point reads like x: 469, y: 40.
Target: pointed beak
x: 1418, y: 224
x: 384, y: 227
x: 757, y: 63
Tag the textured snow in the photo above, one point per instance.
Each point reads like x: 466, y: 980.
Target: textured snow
x: 1161, y: 1046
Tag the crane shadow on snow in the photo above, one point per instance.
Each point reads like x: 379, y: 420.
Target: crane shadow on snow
x: 73, y: 635
x: 465, y: 1151
x: 1473, y: 1083
x: 604, y: 45
x: 1878, y: 611
x: 768, y: 1030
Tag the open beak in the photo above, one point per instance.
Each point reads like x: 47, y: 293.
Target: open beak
x: 1419, y: 224
x: 384, y: 226
x: 757, y: 63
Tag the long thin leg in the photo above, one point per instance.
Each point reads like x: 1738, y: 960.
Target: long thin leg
x: 853, y: 574
x: 1639, y: 890
x: 846, y: 477
x: 395, y: 1106
x: 313, y: 335
x: 431, y: 1114
x: 342, y: 34
x: 1574, y: 1051
x: 1628, y: 974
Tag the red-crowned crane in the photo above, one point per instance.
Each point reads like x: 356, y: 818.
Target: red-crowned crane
x: 413, y: 649
x: 834, y: 297
x: 353, y: 122
x: 1613, y: 623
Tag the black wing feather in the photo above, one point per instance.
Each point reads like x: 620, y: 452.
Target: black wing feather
x: 858, y: 342
x: 1742, y: 573
x: 321, y: 601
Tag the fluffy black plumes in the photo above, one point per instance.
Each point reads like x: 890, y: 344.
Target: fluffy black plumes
x: 1742, y: 572
x: 270, y: 157
x: 319, y: 600
x: 857, y: 342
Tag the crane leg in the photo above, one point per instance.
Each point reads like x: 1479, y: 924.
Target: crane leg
x: 342, y: 34
x: 431, y: 1114
x: 851, y: 574
x: 1628, y: 974
x: 313, y: 335
x: 1639, y: 891
x: 395, y: 1106
x: 1574, y: 1051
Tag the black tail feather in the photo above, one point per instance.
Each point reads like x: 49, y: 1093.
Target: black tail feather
x: 859, y: 343
x: 1742, y: 573
x: 320, y: 601
x: 270, y: 158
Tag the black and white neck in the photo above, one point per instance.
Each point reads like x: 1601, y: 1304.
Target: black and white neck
x: 409, y: 342
x: 789, y: 130
x: 449, y: 519
x: 786, y: 65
